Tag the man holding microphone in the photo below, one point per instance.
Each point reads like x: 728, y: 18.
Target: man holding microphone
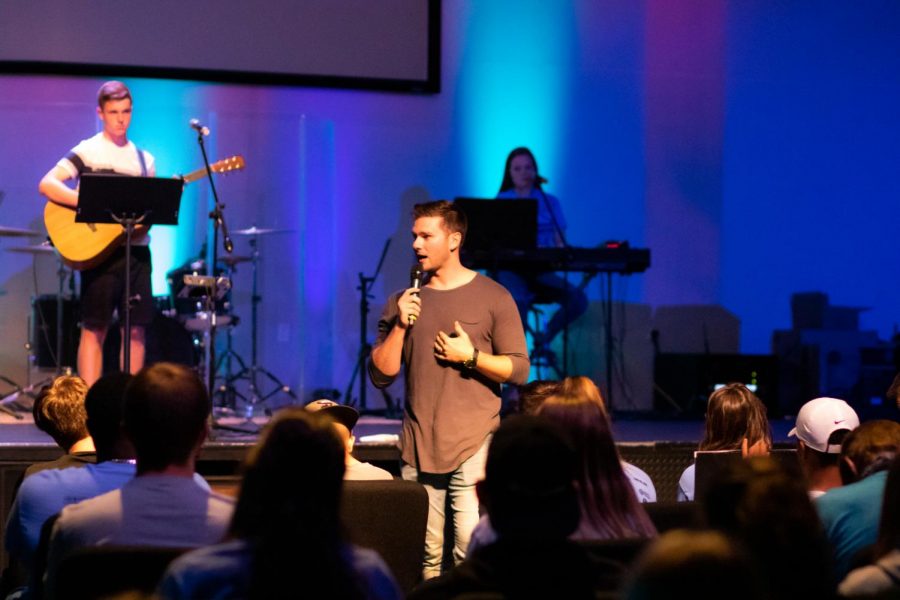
x: 459, y: 336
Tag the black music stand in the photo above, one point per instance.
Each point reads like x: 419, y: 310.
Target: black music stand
x: 128, y: 201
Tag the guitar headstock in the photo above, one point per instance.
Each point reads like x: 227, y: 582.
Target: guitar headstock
x: 232, y: 163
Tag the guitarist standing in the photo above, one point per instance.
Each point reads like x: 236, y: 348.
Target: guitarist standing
x: 103, y: 286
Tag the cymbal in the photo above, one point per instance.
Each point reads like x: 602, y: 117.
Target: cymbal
x: 44, y: 248
x: 261, y: 231
x: 16, y: 232
x: 234, y: 259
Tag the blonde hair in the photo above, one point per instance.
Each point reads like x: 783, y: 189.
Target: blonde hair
x: 59, y: 410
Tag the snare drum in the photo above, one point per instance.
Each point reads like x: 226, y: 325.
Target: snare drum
x: 191, y: 311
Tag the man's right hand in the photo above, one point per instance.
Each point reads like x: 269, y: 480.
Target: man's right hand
x: 409, y: 304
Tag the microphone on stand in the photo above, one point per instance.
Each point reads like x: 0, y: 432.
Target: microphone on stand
x: 416, y: 274
x: 198, y: 127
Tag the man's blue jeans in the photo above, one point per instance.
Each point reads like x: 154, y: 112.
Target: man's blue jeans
x: 460, y: 485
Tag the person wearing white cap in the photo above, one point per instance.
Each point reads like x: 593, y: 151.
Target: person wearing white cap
x: 822, y: 424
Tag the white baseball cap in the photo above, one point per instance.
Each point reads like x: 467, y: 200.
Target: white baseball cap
x: 821, y: 417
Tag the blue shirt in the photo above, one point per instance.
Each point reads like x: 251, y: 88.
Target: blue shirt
x: 546, y: 230
x: 850, y: 516
x: 223, y: 571
x: 47, y: 492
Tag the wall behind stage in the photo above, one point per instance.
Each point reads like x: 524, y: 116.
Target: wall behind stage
x: 751, y: 146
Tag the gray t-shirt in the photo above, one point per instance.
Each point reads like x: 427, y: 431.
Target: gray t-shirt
x: 164, y: 511
x: 450, y: 410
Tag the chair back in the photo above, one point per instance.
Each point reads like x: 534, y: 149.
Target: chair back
x: 673, y: 515
x: 612, y: 559
x: 389, y: 517
x: 96, y: 572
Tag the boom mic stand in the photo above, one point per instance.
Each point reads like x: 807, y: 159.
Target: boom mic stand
x: 365, y: 285
x: 565, y: 307
x: 217, y: 215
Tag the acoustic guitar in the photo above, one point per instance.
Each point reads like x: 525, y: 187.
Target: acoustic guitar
x: 86, y: 245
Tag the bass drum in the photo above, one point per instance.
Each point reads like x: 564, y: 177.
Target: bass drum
x: 167, y: 341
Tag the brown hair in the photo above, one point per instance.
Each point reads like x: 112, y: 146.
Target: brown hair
x: 870, y: 447
x: 291, y: 490
x: 507, y: 182
x: 609, y: 506
x: 533, y: 394
x: 762, y: 505
x: 59, y: 411
x: 732, y: 414
x: 696, y: 564
x: 889, y: 529
x: 454, y: 219
x: 112, y: 90
x: 166, y: 408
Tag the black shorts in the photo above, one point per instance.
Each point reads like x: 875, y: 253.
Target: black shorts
x: 103, y: 290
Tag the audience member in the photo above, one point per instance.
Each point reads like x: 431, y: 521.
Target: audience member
x: 700, y: 565
x: 850, y: 513
x: 882, y: 578
x: 822, y: 425
x: 529, y: 493
x: 533, y: 394
x: 46, y: 493
x: 59, y: 412
x: 285, y: 535
x: 608, y: 502
x: 761, y: 505
x: 735, y: 420
x: 893, y: 392
x: 345, y: 418
x: 165, y: 417
x: 609, y: 509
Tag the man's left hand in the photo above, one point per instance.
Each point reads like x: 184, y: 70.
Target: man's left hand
x: 455, y: 347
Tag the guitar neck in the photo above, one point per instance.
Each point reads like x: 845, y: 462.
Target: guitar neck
x: 234, y: 163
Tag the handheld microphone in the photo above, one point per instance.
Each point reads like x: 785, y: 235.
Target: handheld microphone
x: 415, y: 281
x: 198, y: 127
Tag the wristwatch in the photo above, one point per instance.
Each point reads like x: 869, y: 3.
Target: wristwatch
x: 470, y: 363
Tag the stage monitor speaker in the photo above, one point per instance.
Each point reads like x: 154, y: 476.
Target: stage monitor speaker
x: 683, y: 382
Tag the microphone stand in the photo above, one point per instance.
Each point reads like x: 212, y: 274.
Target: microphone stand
x: 218, y: 217
x: 365, y: 285
x: 565, y: 307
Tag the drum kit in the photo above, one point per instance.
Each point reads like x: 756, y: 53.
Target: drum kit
x: 20, y: 397
x: 199, y: 304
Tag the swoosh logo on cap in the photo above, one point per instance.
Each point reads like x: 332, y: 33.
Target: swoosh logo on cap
x: 839, y: 422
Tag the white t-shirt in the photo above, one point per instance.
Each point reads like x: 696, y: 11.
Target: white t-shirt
x: 99, y: 154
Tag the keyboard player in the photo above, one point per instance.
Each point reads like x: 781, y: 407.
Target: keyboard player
x: 521, y: 180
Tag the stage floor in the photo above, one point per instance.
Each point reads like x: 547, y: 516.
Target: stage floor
x: 626, y: 428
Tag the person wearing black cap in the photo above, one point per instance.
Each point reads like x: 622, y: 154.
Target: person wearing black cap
x: 345, y: 418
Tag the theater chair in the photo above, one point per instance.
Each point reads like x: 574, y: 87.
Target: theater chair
x: 389, y: 517
x: 673, y: 515
x: 612, y: 559
x: 96, y: 572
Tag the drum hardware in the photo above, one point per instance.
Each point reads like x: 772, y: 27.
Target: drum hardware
x: 257, y: 231
x: 207, y: 290
x: 250, y: 373
x: 231, y: 260
x: 17, y: 232
x: 45, y: 249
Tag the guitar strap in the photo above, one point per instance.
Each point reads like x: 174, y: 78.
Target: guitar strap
x: 140, y: 154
